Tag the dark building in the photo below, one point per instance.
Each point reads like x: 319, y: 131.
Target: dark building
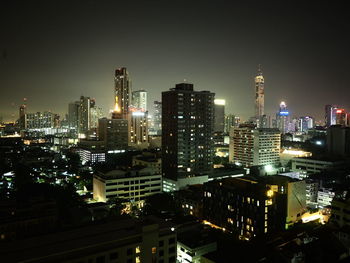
x: 252, y: 206
x: 149, y: 240
x: 114, y: 132
x: 187, y: 128
x: 338, y: 140
x: 122, y: 89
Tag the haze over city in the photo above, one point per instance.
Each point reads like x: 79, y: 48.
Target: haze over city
x: 53, y: 52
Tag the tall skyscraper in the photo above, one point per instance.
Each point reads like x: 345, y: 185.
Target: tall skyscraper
x: 157, y: 118
x: 73, y: 113
x: 219, y: 116
x: 22, y: 117
x: 139, y: 99
x: 254, y: 146
x: 330, y: 115
x: 282, y: 118
x: 187, y: 128
x: 259, y: 95
x: 138, y: 127
x: 122, y: 88
x: 84, y: 114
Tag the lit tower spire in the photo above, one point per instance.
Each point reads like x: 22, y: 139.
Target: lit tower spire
x: 259, y: 94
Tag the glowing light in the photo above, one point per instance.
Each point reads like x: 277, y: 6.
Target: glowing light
x: 339, y: 111
x: 318, y: 142
x: 268, y: 168
x: 219, y: 102
x: 138, y: 113
x: 116, y: 108
x: 269, y: 193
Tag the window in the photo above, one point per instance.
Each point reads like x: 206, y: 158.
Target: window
x: 171, y: 250
x: 161, y: 243
x: 129, y: 260
x: 129, y: 251
x: 161, y: 253
x: 172, y: 259
x: 154, y: 250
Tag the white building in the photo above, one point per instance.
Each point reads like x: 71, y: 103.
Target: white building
x: 312, y: 165
x: 325, y: 197
x: 250, y: 146
x: 131, y: 185
x: 139, y: 99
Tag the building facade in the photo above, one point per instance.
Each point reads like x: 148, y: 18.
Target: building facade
x: 259, y: 94
x: 122, y: 91
x: 114, y: 133
x: 251, y: 146
x: 139, y: 99
x: 187, y: 128
x: 133, y: 185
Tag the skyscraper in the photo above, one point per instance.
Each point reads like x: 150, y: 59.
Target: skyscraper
x: 73, y: 113
x: 84, y: 114
x: 122, y: 88
x: 157, y: 118
x: 219, y: 119
x: 138, y: 127
x: 187, y: 127
x: 259, y: 95
x: 330, y: 115
x: 282, y: 118
x: 139, y: 99
x: 114, y: 133
x: 22, y: 117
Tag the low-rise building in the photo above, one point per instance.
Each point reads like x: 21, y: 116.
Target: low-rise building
x: 325, y: 197
x: 148, y: 160
x: 341, y: 212
x: 132, y: 185
x: 314, y: 165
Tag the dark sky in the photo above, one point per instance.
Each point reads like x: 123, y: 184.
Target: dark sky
x: 54, y: 51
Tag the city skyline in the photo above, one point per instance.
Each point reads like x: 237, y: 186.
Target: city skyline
x: 73, y: 50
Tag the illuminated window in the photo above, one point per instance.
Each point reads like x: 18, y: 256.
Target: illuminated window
x: 265, y: 223
x: 248, y: 200
x: 265, y: 229
x: 154, y: 250
x: 137, y: 260
x: 137, y: 250
x: 266, y: 209
x: 257, y: 203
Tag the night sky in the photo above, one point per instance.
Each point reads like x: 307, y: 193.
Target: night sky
x: 54, y: 51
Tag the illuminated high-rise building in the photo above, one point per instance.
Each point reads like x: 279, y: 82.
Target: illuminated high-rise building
x: 157, y: 118
x: 282, y: 118
x: 259, y: 95
x: 341, y: 117
x: 330, y: 115
x: 122, y: 88
x: 139, y: 99
x: 138, y: 132
x: 219, y: 116
x: 305, y: 123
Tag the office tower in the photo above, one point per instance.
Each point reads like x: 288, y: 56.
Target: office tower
x: 114, y: 133
x: 282, y: 118
x: 157, y: 117
x: 219, y: 115
x: 139, y: 99
x: 95, y: 115
x: 84, y: 114
x: 187, y: 128
x: 330, y: 115
x: 341, y: 117
x: 305, y: 123
x: 122, y: 89
x: 252, y: 206
x: 73, y: 115
x: 138, y: 120
x: 338, y: 140
x: 254, y: 146
x: 22, y: 117
x: 259, y: 95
